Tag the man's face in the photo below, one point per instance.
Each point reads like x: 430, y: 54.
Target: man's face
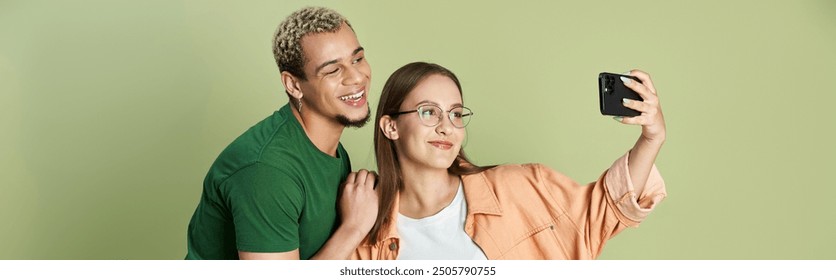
x: 338, y: 77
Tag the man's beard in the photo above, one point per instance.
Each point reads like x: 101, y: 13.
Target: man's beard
x: 355, y: 123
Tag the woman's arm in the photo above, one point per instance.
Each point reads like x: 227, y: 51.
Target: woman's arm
x: 647, y: 147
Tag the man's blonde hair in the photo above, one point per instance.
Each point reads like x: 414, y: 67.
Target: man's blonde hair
x: 286, y: 41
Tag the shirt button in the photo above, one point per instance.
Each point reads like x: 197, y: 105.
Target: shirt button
x: 393, y: 246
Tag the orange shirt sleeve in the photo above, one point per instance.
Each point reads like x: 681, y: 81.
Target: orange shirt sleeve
x: 601, y: 209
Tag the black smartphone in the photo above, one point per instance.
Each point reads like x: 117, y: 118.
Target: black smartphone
x: 611, y: 91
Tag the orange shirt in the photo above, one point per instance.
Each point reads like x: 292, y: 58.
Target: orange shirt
x: 530, y: 211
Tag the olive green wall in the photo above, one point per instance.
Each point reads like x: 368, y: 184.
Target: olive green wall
x: 112, y: 111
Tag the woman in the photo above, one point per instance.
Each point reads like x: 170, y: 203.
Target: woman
x: 435, y: 204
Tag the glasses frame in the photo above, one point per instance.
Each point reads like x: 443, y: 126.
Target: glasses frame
x: 438, y: 119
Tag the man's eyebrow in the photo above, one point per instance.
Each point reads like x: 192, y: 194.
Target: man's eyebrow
x: 355, y: 52
x: 324, y: 64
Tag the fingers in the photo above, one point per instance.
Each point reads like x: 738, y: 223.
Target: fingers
x: 638, y: 120
x: 639, y: 88
x: 645, y: 108
x: 362, y: 174
x: 649, y: 107
x: 370, y: 180
x: 362, y: 178
x: 351, y: 178
x: 649, y: 112
x: 644, y: 77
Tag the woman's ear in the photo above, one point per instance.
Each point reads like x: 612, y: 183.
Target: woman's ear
x: 388, y: 127
x: 291, y: 84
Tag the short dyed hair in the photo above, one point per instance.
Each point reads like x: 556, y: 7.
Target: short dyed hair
x: 287, y: 49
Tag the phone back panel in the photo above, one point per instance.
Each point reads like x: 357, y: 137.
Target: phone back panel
x: 611, y: 91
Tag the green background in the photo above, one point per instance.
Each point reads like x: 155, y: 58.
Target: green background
x: 112, y: 111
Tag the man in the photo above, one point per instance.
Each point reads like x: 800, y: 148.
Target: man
x: 272, y: 193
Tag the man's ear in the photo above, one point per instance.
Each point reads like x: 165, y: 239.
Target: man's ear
x: 291, y: 84
x: 387, y: 125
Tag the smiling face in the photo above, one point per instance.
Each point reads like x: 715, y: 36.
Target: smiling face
x: 338, y: 77
x: 417, y: 144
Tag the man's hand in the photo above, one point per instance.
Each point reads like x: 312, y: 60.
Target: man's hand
x: 358, y: 211
x: 359, y: 202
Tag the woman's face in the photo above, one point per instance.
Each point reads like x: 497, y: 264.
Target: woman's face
x: 419, y: 144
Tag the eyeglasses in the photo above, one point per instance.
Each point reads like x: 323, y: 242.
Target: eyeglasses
x: 430, y: 115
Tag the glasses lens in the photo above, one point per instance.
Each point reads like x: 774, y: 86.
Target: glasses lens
x: 430, y: 115
x: 460, y: 117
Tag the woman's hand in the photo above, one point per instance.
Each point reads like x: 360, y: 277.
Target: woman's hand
x: 651, y: 118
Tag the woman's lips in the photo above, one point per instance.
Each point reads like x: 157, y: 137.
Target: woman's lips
x: 444, y: 145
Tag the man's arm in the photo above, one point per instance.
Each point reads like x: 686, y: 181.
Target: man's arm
x: 292, y: 255
x: 338, y: 247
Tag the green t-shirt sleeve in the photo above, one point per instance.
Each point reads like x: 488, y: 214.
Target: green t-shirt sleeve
x: 266, y: 205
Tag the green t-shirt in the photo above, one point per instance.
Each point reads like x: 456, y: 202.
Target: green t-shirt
x: 270, y: 190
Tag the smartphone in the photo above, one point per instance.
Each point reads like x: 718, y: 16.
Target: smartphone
x: 611, y: 91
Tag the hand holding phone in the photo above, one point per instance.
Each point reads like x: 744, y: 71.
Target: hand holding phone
x: 612, y: 91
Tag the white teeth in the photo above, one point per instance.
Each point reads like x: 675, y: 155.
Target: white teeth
x: 355, y: 96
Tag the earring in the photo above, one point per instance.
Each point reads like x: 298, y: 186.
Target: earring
x: 299, y: 104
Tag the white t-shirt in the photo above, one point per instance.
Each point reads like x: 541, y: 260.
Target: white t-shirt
x: 440, y: 236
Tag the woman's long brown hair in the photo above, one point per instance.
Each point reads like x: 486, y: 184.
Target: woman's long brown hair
x: 390, y: 181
